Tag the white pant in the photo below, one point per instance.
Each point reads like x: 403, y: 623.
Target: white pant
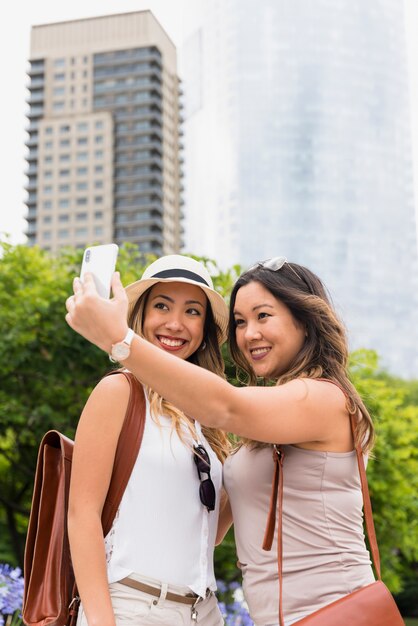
x: 136, y: 608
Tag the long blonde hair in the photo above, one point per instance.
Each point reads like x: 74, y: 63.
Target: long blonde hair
x: 210, y: 358
x: 324, y: 353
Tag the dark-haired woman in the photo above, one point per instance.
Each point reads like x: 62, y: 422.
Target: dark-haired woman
x: 283, y: 329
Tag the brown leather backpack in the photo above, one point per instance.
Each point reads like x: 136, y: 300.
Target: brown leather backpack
x: 50, y: 594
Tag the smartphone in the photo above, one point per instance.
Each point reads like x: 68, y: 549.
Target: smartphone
x: 100, y: 261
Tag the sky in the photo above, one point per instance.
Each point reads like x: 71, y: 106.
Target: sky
x: 15, y: 38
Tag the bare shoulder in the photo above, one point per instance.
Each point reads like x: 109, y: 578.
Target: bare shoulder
x: 318, y: 392
x: 107, y: 403
x: 113, y: 389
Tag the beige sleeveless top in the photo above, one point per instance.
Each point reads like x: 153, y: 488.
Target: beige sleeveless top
x: 324, y: 554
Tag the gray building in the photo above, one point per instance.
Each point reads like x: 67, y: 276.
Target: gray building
x: 303, y: 111
x: 103, y: 143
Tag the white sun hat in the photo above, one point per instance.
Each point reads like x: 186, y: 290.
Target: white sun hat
x: 181, y: 269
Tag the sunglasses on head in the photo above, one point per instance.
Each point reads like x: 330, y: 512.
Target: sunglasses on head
x: 274, y: 264
x: 207, y: 489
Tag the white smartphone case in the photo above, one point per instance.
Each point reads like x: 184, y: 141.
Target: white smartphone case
x: 100, y: 261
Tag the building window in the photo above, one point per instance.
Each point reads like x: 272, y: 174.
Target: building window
x: 64, y: 188
x: 65, y: 128
x: 64, y: 143
x: 82, y: 156
x: 98, y: 154
x: 81, y: 201
x: 59, y: 62
x: 98, y: 184
x: 98, y: 215
x: 81, y: 171
x: 47, y: 219
x: 47, y: 204
x: 63, y: 233
x: 98, y: 125
x: 82, y: 141
x: 64, y: 173
x: 81, y: 232
x: 64, y: 158
x: 81, y: 217
x: 98, y: 199
x: 59, y: 77
x: 48, y: 159
x: 48, y: 130
x: 48, y: 145
x: 46, y: 234
x: 48, y: 189
x: 82, y: 127
x: 98, y: 139
x: 59, y: 91
x: 98, y: 230
x: 98, y: 169
x: 64, y: 217
x: 64, y: 203
x: 48, y: 174
x: 81, y: 186
x: 58, y: 106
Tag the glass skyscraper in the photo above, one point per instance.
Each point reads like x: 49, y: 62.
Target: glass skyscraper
x: 297, y: 140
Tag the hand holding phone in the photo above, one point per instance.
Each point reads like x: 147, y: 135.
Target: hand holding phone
x: 100, y: 261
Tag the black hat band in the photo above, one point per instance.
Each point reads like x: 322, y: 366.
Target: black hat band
x: 179, y: 273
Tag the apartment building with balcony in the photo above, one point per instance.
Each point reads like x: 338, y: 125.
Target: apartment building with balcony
x: 104, y: 150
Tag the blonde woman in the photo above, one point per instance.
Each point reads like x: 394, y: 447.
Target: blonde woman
x: 156, y: 564
x: 282, y: 329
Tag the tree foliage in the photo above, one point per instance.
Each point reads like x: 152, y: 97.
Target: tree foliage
x: 47, y: 372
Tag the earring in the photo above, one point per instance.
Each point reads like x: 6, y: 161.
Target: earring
x: 203, y: 346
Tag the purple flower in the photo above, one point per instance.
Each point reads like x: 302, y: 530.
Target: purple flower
x: 232, y: 605
x: 11, y: 591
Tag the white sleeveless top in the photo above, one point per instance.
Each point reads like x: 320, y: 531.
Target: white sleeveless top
x: 162, y: 530
x: 324, y: 553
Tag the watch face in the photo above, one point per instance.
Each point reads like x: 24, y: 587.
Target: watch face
x: 120, y: 351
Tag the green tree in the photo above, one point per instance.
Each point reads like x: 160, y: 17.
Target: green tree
x: 47, y: 370
x: 393, y: 469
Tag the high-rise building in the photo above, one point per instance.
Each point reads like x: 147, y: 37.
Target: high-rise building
x: 297, y: 137
x: 103, y: 156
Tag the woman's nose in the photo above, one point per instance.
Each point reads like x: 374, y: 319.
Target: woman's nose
x: 252, y: 332
x: 174, y: 323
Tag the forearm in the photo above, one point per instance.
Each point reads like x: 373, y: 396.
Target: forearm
x: 184, y: 384
x: 89, y: 562
x: 225, y: 518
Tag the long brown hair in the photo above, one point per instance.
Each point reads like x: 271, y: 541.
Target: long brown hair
x: 209, y: 357
x: 324, y: 353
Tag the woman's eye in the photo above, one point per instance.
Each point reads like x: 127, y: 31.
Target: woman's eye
x: 239, y: 322
x: 263, y: 315
x: 193, y: 312
x: 161, y: 305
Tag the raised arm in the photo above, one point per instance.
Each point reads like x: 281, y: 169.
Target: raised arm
x: 299, y: 411
x: 94, y: 451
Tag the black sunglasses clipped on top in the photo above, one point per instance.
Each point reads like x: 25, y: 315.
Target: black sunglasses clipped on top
x: 207, y: 489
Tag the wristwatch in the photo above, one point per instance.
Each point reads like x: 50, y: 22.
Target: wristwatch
x: 122, y: 349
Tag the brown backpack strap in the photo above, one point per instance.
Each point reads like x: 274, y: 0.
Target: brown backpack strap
x: 276, y: 501
x: 129, y: 442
